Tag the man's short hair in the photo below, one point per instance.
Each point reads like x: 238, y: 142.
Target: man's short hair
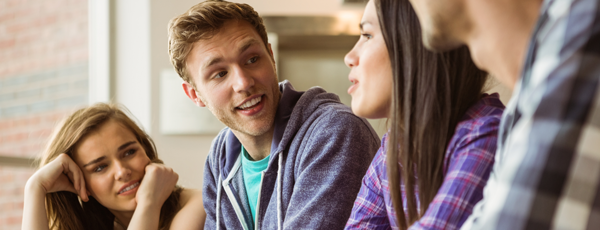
x: 203, y: 21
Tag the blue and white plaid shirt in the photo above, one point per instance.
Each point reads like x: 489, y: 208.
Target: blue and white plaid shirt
x: 547, y: 169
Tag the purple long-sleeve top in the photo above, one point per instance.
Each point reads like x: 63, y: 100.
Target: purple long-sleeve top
x: 468, y: 159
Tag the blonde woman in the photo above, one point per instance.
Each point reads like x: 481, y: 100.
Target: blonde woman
x: 101, y: 171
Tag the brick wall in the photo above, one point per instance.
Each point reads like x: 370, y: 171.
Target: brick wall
x: 11, y: 196
x: 43, y: 77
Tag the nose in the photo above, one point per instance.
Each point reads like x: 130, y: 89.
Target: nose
x: 351, y: 58
x: 123, y: 173
x: 243, y: 80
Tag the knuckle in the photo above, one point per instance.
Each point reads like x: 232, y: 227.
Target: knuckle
x: 62, y: 156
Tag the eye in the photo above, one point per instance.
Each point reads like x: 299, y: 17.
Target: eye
x: 99, y: 168
x: 252, y: 60
x: 129, y: 152
x: 367, y: 36
x: 221, y: 74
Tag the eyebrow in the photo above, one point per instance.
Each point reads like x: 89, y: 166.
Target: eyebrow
x: 362, y: 24
x: 94, y: 161
x: 245, y: 46
x: 123, y: 146
x: 212, y: 61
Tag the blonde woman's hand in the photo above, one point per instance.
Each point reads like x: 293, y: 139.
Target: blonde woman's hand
x: 62, y: 174
x: 156, y: 186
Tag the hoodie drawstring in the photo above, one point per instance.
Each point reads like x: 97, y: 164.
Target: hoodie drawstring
x: 279, y: 194
x: 218, y: 202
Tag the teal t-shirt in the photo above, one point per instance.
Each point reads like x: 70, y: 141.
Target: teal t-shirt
x: 252, y: 171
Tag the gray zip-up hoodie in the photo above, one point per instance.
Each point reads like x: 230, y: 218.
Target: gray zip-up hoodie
x: 319, y: 155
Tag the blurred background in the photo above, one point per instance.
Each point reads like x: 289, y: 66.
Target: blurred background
x: 59, y: 55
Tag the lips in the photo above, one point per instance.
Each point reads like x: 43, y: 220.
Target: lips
x: 250, y: 103
x: 252, y: 106
x: 129, y: 188
x: 353, y: 86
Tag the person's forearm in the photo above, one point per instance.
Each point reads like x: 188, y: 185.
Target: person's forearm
x: 34, y: 208
x: 145, y: 217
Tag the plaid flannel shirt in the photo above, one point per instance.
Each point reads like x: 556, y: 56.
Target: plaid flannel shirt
x: 548, y: 162
x: 469, y: 158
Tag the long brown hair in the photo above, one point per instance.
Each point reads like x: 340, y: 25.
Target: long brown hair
x: 64, y: 209
x: 431, y: 93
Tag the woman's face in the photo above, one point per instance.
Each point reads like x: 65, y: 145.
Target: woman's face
x: 113, y: 163
x: 371, y: 71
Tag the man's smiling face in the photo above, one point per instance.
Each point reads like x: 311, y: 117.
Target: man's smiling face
x: 234, y: 76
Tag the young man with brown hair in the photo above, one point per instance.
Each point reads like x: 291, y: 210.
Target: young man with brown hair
x: 547, y: 169
x: 288, y: 159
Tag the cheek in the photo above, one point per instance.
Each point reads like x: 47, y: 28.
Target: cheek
x: 140, y: 162
x: 219, y: 94
x: 265, y: 76
x: 98, y: 186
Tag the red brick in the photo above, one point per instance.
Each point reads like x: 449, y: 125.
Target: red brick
x: 14, y: 220
x: 12, y: 206
x: 6, y: 178
x: 7, y: 43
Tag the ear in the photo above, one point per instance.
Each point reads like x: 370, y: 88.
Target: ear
x: 271, y: 52
x: 192, y: 94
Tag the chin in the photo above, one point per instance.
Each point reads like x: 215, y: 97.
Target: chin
x: 129, y: 206
x: 122, y: 206
x: 439, y: 41
x: 258, y: 128
x: 362, y: 113
x: 369, y: 112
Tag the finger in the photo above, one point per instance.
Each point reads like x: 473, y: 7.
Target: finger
x: 77, y: 179
x: 66, y: 169
x: 74, y: 174
x: 149, y: 167
x: 67, y: 185
x: 83, y: 192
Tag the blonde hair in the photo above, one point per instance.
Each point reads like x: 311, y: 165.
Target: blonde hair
x: 64, y: 209
x: 203, y: 21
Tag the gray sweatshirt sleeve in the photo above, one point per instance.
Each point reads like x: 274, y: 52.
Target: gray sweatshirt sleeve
x: 337, y: 155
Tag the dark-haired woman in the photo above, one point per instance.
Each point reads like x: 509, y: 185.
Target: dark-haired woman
x: 436, y: 158
x: 101, y: 157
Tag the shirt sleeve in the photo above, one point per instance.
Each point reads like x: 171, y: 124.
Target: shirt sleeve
x: 369, y: 211
x: 468, y: 169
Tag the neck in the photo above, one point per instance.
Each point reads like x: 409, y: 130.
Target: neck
x: 122, y: 217
x: 258, y: 147
x: 500, y: 35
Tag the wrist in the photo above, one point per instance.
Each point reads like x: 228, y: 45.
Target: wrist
x: 34, y: 189
x: 147, y: 209
x: 148, y: 205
